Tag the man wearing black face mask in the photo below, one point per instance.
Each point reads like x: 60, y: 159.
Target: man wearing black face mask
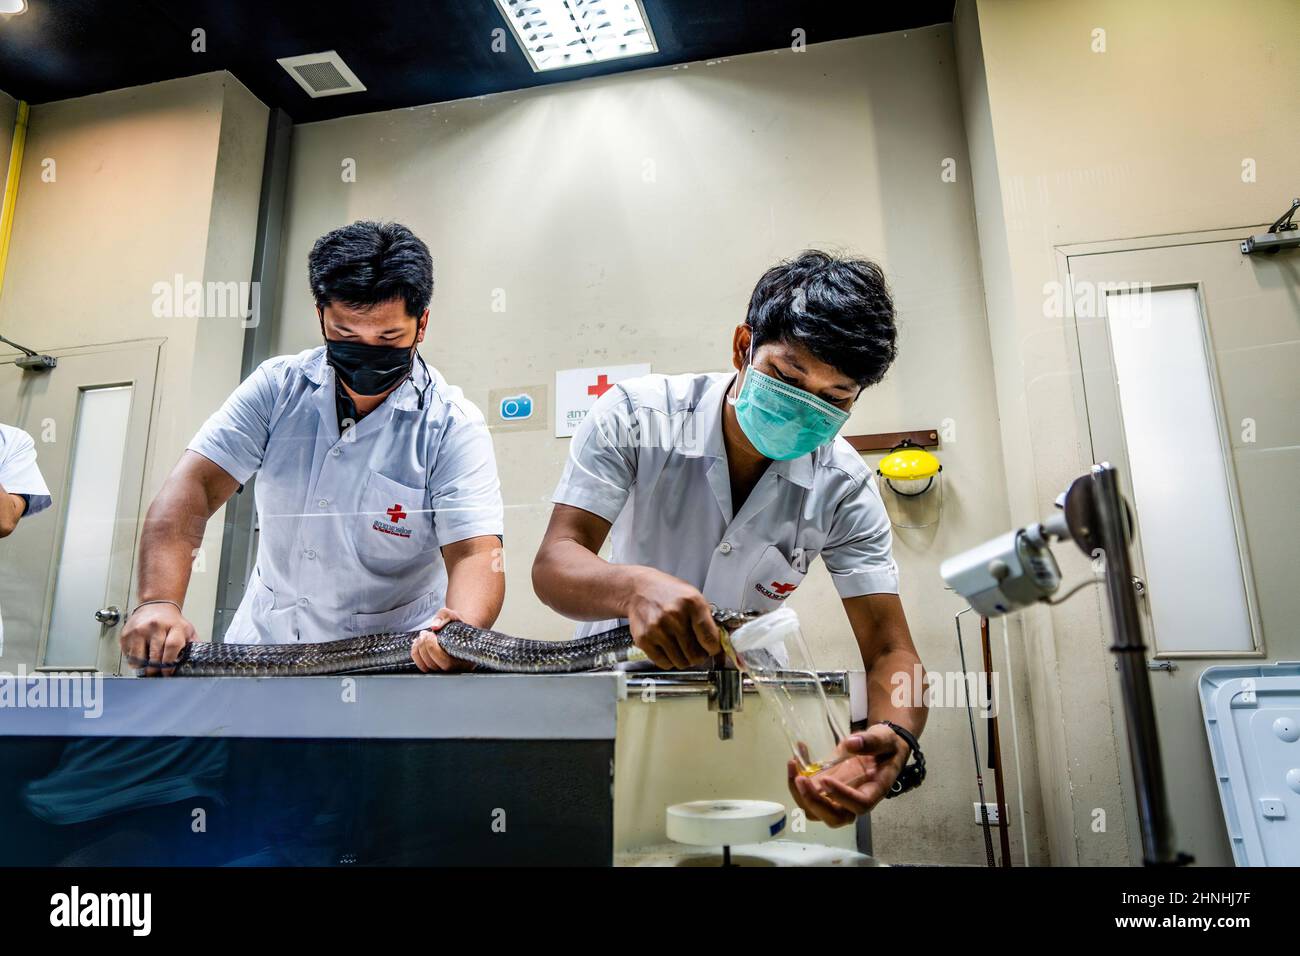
x: 377, y: 494
x: 361, y: 369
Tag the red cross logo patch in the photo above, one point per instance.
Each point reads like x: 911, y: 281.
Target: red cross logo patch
x: 395, y: 514
x: 777, y: 590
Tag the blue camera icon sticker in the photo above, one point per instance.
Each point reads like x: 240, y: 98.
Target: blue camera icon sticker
x: 516, y: 408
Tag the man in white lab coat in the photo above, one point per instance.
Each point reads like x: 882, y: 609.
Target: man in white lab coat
x: 724, y: 487
x: 379, y: 507
x: 23, y: 491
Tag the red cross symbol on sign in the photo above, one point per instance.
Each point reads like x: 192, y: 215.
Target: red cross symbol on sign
x: 396, y: 513
x: 783, y: 588
x: 602, y: 386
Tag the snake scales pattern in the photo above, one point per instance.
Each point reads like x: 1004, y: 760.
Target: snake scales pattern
x: 391, y: 653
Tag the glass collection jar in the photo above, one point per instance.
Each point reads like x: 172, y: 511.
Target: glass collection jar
x: 772, y: 652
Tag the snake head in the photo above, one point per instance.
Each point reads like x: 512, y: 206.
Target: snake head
x: 729, y: 619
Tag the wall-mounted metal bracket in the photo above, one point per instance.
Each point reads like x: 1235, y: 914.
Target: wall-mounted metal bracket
x: 1283, y: 234
x: 885, y: 441
x: 31, y: 361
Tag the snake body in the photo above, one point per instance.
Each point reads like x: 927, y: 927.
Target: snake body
x: 390, y: 653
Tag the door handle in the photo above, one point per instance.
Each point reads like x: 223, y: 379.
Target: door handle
x: 108, y: 616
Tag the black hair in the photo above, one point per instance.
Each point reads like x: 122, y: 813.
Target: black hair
x: 368, y: 263
x: 839, y: 309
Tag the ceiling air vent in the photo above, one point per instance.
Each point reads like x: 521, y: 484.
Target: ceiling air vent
x: 322, y: 74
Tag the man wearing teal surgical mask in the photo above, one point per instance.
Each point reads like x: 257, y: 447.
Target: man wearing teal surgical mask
x: 780, y: 419
x: 723, y: 488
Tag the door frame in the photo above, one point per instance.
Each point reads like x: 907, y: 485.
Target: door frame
x: 1064, y: 254
x: 108, y: 660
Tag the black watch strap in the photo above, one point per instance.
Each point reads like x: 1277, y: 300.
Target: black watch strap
x: 913, y: 775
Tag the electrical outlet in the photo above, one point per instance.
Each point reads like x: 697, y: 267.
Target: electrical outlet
x: 992, y: 809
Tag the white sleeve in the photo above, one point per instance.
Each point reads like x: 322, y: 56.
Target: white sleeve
x: 859, y: 549
x: 601, y: 469
x: 18, y: 472
x: 235, y: 436
x: 464, y: 490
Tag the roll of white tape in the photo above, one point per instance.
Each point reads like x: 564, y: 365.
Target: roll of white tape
x: 725, y: 822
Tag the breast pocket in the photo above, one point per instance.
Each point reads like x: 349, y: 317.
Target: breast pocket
x: 772, y: 580
x: 394, y: 525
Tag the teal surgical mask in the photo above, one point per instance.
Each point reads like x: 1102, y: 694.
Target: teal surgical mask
x: 781, y: 421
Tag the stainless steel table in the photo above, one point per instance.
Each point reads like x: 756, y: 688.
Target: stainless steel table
x: 419, y: 769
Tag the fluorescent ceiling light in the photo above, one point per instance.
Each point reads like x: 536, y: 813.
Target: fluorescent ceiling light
x: 12, y: 7
x: 556, y: 34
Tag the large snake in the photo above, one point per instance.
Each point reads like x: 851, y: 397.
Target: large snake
x: 391, y: 653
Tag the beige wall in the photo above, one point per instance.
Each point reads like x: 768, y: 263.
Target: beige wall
x: 1072, y: 146
x: 150, y: 182
x: 626, y: 219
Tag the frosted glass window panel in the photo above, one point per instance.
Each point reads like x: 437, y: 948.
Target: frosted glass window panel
x: 85, y: 552
x: 1179, y: 472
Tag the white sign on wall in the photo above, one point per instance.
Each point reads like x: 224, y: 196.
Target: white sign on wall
x: 576, y: 390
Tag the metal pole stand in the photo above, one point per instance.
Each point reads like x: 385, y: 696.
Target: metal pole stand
x: 1100, y: 523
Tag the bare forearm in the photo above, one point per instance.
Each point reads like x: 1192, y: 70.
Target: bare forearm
x: 895, y: 677
x: 173, y: 533
x: 581, y: 585
x: 476, y: 584
x: 896, y: 689
x: 11, y: 509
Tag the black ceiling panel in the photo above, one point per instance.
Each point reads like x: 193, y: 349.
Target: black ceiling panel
x: 406, y: 53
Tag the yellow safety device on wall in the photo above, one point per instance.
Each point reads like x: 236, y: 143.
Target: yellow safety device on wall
x: 910, y: 463
x: 911, y: 486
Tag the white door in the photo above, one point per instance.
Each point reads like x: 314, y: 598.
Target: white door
x: 89, y: 418
x: 1189, y: 355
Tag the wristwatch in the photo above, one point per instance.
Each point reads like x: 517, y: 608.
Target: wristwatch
x: 911, y: 776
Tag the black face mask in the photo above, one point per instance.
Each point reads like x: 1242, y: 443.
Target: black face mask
x: 369, y: 369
